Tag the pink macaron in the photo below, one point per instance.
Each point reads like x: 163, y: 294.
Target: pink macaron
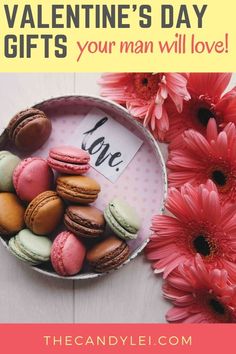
x: 69, y: 160
x: 67, y: 254
x: 32, y: 177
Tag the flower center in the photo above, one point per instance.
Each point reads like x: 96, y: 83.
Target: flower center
x: 203, y: 108
x: 204, y: 114
x: 217, y: 307
x: 145, y: 81
x: 202, y: 245
x: 221, y: 173
x: 146, y: 85
x: 219, y: 178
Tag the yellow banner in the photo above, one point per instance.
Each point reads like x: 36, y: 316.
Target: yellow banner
x: 117, y: 35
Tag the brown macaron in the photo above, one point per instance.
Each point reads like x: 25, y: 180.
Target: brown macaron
x: 108, y: 255
x: 44, y: 213
x: 28, y: 130
x: 78, y: 189
x: 4, y: 139
x: 11, y: 214
x: 85, y: 221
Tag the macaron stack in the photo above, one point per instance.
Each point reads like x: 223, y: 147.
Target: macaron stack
x: 85, y: 223
x: 32, y: 211
x: 124, y: 222
x: 45, y: 205
x: 23, y: 182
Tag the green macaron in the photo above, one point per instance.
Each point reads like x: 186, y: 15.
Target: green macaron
x: 14, y: 249
x: 8, y: 163
x: 122, y: 219
x: 30, y: 248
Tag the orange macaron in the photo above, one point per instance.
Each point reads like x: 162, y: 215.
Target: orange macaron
x: 78, y: 189
x: 44, y: 213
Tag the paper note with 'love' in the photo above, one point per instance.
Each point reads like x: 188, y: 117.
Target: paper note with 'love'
x: 110, y: 145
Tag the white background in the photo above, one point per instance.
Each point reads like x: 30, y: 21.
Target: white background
x: 132, y: 294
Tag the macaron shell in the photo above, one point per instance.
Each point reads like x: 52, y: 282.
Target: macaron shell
x: 68, y: 168
x: 31, y: 134
x: 4, y: 138
x: 32, y: 177
x: 125, y: 215
x: 11, y: 214
x: 73, y: 255
x: 3, y: 153
x: 116, y: 227
x: 75, y: 197
x: 67, y: 254
x: 111, y: 245
x: 112, y: 263
x: 69, y: 154
x: 35, y: 247
x: 81, y: 184
x: 8, y: 163
x: 81, y: 230
x: 88, y: 216
x: 44, y: 213
x: 20, y: 117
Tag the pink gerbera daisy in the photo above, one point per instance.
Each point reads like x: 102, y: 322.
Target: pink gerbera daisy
x: 207, y: 101
x: 198, y: 224
x: 144, y: 95
x: 197, y: 159
x: 199, y: 295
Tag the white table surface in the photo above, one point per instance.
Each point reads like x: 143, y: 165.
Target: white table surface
x: 132, y: 294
